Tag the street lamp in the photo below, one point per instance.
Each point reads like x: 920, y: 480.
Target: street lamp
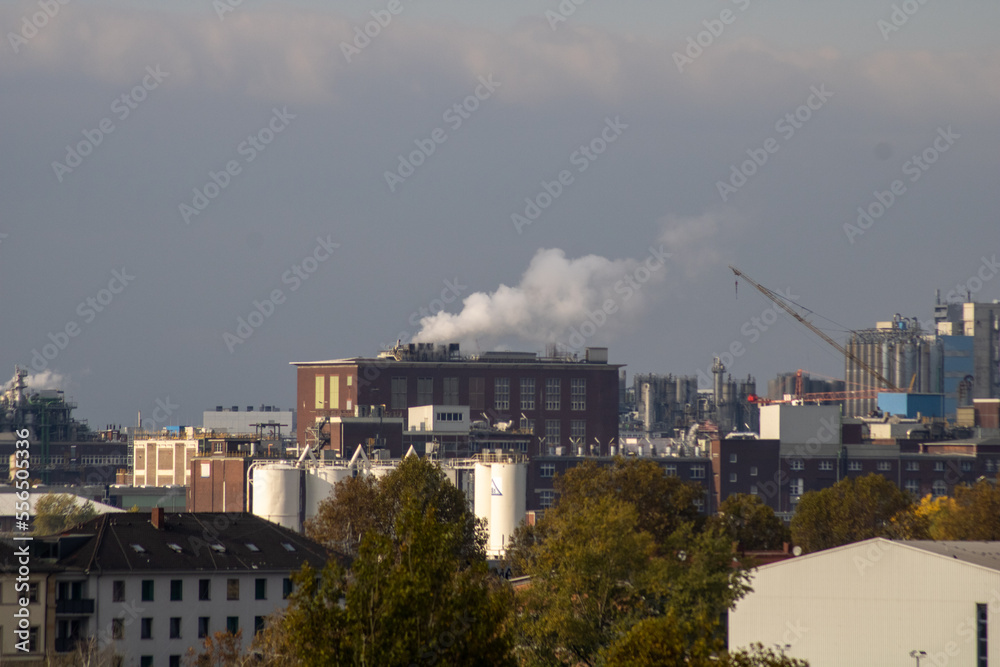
x: 916, y: 655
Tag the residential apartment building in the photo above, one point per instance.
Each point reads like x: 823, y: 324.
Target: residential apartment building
x: 150, y: 586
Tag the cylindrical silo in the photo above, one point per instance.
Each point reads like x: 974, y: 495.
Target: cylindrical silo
x: 482, y: 501
x: 319, y: 485
x: 276, y: 494
x: 507, y: 503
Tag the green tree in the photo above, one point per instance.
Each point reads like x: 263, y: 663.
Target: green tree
x: 849, y: 511
x: 365, y: 504
x: 596, y: 571
x: 418, y: 591
x: 668, y: 641
x: 663, y: 502
x: 972, y: 514
x: 55, y: 513
x: 749, y: 522
x: 758, y: 656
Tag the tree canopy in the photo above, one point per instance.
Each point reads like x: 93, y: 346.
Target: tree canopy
x: 418, y: 590
x: 55, y: 512
x: 749, y: 522
x: 849, y: 511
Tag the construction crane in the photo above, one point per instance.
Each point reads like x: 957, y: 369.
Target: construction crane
x: 809, y: 325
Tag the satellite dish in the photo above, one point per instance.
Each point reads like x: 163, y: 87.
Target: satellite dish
x: 797, y: 551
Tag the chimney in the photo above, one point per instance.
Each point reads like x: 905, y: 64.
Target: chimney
x: 157, y: 518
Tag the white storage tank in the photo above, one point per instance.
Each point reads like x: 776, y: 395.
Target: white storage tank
x: 319, y: 485
x: 508, y: 492
x: 482, y: 503
x: 276, y: 494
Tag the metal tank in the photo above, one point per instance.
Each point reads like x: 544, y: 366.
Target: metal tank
x: 276, y: 488
x: 319, y: 485
x: 508, y: 488
x: 481, y: 499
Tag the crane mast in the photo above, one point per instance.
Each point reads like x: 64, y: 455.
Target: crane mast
x: 809, y: 325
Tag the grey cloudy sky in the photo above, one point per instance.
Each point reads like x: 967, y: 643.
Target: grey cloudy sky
x: 116, y: 113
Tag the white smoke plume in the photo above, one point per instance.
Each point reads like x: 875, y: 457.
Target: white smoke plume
x: 558, y: 300
x: 47, y: 379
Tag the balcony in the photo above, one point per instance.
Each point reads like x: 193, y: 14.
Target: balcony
x: 81, y: 606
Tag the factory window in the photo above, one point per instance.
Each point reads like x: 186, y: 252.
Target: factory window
x: 202, y: 627
x: 939, y: 466
x: 732, y: 458
x: 939, y: 488
x: 527, y: 425
x: 553, y: 391
x: 146, y: 661
x: 147, y: 590
x: 527, y: 393
x: 699, y: 504
x: 552, y: 432
x: 826, y: 465
x: 335, y: 392
x: 797, y: 487
x: 477, y: 393
x: 546, y: 499
x: 260, y: 589
x: 796, y: 464
x: 698, y: 472
x: 175, y: 661
x: 425, y: 391
x: 883, y: 466
x: 913, y: 486
x: 118, y: 591
x: 258, y: 624
x: 175, y: 627
x: 578, y: 394
x: 753, y: 471
x: 732, y: 478
x: 982, y: 644
x: 176, y: 589
x: 232, y: 589
x: 854, y: 466
x: 233, y: 624
x: 753, y: 489
x: 146, y: 628
x: 966, y: 466
x: 350, y: 380
x: 204, y: 589
x: 218, y: 447
x: 450, y: 391
x: 286, y: 588
x: 578, y: 428
x: 398, y: 398
x: 547, y: 470
x: 913, y: 466
x: 117, y: 628
x: 320, y: 392
x: 670, y: 470
x: 501, y: 393
x: 989, y: 465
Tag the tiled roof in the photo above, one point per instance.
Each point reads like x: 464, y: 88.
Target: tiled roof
x: 190, y: 541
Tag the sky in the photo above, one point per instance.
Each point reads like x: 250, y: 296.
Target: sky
x: 197, y: 192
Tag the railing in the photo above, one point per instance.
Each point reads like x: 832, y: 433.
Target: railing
x: 78, y: 606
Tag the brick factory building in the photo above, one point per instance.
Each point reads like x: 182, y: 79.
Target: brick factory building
x: 560, y: 400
